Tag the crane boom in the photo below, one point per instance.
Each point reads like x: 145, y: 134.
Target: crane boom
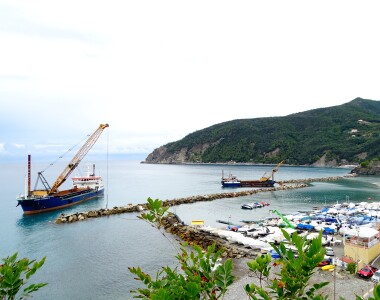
x: 266, y: 178
x: 77, y: 158
x: 290, y: 225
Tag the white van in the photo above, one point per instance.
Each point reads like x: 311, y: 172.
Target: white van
x: 376, y: 276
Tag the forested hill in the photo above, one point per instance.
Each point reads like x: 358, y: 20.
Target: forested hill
x: 331, y: 136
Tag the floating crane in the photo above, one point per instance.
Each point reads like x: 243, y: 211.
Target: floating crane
x: 84, y: 188
x: 266, y: 178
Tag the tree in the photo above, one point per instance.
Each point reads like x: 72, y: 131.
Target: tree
x: 201, y: 276
x: 292, y: 281
x: 14, y: 274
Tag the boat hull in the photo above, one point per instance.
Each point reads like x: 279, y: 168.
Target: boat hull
x: 248, y: 183
x: 231, y: 184
x: 256, y: 183
x: 55, y: 202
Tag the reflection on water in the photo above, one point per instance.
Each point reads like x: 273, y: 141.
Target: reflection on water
x: 30, y: 224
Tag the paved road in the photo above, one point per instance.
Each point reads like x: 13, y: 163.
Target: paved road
x: 342, y: 284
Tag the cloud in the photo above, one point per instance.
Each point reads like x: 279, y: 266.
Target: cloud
x: 19, y: 146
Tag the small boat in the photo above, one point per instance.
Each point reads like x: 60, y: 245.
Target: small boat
x: 249, y: 206
x: 253, y: 205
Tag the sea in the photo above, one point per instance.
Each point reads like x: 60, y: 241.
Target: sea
x: 90, y: 259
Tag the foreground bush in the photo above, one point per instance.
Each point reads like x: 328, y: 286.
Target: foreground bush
x: 14, y: 274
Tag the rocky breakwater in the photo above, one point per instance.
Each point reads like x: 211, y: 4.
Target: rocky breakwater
x: 309, y: 180
x: 193, y: 235
x: 103, y: 212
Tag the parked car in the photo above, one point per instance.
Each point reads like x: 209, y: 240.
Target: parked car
x: 376, y: 276
x: 329, y: 251
x: 367, y: 271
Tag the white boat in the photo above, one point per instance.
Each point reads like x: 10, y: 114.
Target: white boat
x: 251, y: 205
x: 257, y: 244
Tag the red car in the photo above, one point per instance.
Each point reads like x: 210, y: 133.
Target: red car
x: 367, y: 271
x: 324, y: 262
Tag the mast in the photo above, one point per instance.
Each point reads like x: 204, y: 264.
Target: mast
x: 77, y: 158
x: 29, y: 176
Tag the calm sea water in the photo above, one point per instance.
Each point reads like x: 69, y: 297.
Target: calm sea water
x: 90, y: 260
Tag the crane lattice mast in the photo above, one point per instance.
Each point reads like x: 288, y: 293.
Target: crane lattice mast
x: 77, y: 158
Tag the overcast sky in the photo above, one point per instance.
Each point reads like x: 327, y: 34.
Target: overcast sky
x: 159, y: 70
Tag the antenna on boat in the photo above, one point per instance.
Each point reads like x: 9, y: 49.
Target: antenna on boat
x: 107, y: 171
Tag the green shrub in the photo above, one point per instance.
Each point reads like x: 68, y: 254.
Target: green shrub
x: 351, y: 268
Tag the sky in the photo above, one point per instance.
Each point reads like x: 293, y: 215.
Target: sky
x: 157, y: 70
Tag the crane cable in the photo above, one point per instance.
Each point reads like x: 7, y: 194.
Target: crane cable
x: 70, y: 149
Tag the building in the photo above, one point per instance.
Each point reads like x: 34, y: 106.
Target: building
x: 362, y: 245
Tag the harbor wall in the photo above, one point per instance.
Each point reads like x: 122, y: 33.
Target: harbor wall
x: 194, y: 236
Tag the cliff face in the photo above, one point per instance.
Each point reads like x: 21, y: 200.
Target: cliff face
x: 161, y: 155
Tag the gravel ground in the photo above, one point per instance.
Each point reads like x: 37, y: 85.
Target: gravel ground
x: 342, y: 285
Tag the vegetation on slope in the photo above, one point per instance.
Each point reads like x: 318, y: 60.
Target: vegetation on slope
x: 347, y: 133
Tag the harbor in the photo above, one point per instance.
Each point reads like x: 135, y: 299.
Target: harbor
x: 115, y: 241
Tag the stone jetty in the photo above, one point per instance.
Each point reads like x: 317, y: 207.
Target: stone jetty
x: 194, y: 236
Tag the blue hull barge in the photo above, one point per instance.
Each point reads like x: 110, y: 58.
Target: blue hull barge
x: 51, y: 198
x: 60, y: 200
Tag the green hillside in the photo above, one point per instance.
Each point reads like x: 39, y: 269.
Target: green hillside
x: 347, y: 133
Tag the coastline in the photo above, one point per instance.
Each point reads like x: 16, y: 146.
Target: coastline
x: 345, y: 166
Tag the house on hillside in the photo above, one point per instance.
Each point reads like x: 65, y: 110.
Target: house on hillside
x: 354, y: 132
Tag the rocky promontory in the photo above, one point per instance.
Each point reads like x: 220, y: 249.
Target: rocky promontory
x: 372, y: 168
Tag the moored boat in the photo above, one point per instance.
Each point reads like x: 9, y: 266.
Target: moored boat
x: 50, y: 198
x: 230, y: 181
x: 264, y: 181
x: 249, y: 206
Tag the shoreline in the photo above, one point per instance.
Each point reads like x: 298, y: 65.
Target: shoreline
x: 346, y: 166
